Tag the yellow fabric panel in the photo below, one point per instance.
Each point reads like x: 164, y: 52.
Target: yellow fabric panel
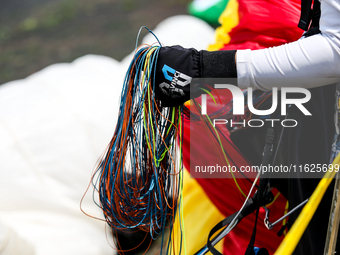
x: 200, y: 216
x: 228, y: 20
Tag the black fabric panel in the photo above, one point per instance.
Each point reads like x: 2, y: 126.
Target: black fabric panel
x: 310, y: 142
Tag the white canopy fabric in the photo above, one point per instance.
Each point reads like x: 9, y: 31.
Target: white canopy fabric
x: 54, y: 125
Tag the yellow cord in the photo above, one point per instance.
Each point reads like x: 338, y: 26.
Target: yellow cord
x: 285, y: 219
x: 272, y: 202
x: 293, y: 237
x: 222, y: 148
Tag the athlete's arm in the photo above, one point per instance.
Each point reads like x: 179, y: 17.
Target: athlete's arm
x: 309, y: 62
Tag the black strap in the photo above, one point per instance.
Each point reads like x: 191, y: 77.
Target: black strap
x: 267, y: 152
x: 250, y: 248
x: 308, y: 14
x: 249, y: 208
x: 221, y: 224
x: 316, y: 14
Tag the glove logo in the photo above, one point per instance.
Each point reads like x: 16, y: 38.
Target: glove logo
x: 175, y: 77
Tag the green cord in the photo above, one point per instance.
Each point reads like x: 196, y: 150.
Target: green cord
x: 225, y: 156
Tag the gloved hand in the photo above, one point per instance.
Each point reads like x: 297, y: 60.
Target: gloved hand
x: 176, y: 66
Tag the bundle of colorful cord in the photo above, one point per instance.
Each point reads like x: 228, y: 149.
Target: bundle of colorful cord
x: 139, y: 177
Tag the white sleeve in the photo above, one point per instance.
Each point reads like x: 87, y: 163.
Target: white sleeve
x: 309, y: 62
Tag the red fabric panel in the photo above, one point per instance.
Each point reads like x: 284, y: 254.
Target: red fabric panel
x: 265, y: 23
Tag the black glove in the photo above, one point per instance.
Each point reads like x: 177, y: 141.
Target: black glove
x: 176, y: 66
